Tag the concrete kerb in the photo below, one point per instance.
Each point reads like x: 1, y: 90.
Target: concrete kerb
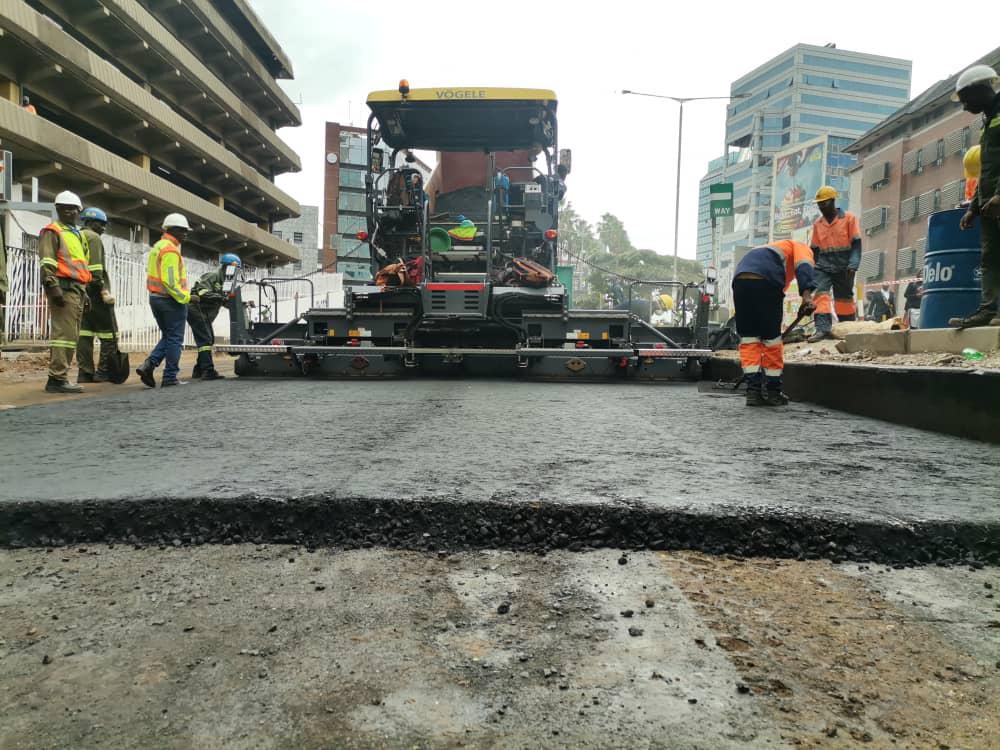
x: 951, y: 340
x: 944, y: 340
x: 428, y: 524
x: 887, y: 342
x: 953, y: 401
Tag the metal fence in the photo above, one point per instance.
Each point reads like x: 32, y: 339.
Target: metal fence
x: 26, y: 317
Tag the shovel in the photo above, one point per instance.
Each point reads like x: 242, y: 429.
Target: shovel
x: 804, y: 312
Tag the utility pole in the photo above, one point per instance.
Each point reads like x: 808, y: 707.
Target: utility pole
x: 681, y: 100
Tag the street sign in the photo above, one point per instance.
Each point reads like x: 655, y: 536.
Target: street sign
x: 721, y: 199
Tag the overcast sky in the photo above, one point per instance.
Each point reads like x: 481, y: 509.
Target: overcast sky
x: 624, y: 147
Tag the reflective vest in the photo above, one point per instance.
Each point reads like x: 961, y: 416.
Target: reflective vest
x: 174, y: 283
x: 837, y: 236
x: 970, y: 188
x: 73, y: 256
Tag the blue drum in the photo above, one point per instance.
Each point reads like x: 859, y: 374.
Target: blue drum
x: 952, y: 276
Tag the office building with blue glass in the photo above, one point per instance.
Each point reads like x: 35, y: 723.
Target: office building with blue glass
x: 806, y: 95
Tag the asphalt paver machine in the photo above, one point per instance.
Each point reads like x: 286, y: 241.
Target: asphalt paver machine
x: 463, y: 266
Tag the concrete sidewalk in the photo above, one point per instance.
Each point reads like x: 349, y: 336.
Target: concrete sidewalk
x: 23, y: 376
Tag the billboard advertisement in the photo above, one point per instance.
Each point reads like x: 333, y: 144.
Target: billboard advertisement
x: 798, y: 173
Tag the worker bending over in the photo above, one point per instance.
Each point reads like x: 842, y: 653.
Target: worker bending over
x: 762, y: 277
x: 208, y: 296
x: 836, y: 243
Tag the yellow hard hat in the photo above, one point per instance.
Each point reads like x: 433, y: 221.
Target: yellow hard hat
x: 667, y: 301
x: 825, y: 193
x: 972, y: 163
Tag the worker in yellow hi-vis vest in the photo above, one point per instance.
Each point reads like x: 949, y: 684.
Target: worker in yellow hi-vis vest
x: 166, y: 281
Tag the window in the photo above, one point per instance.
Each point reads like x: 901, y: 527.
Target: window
x: 351, y: 202
x: 867, y: 69
x: 753, y: 83
x: 834, y: 122
x: 277, y: 233
x: 844, y: 84
x: 874, y: 219
x: 352, y: 178
x: 351, y: 224
x: 355, y: 271
x: 919, y: 166
x: 908, y: 209
x: 844, y: 104
x: 297, y: 238
x: 352, y: 149
x: 966, y: 137
x: 352, y: 249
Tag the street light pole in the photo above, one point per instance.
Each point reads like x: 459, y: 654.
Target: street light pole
x: 677, y: 190
x: 681, y: 100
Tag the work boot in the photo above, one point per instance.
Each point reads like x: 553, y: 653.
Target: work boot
x: 981, y: 317
x: 101, y: 377
x: 774, y: 397
x: 145, y: 373
x: 197, y: 372
x: 755, y: 397
x: 84, y: 377
x: 824, y: 324
x: 820, y: 336
x: 213, y: 374
x: 61, y: 386
x: 169, y: 383
x: 995, y: 322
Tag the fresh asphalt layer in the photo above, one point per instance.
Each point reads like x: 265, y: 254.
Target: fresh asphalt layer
x: 601, y: 450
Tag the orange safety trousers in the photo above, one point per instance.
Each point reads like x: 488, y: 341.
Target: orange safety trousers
x: 757, y: 355
x: 826, y: 305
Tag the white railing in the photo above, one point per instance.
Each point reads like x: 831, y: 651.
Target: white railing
x: 26, y: 317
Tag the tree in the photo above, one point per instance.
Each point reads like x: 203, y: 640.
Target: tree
x: 612, y: 234
x: 612, y: 260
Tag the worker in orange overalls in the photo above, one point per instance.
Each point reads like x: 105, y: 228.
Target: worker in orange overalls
x: 836, y: 245
x: 759, y: 284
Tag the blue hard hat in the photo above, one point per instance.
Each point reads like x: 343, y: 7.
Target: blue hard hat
x: 93, y: 214
x: 230, y: 258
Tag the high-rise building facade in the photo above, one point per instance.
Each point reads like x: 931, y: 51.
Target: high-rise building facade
x: 822, y: 98
x: 146, y: 108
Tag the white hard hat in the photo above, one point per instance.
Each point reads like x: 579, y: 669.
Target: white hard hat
x: 66, y: 198
x: 972, y: 76
x: 176, y: 220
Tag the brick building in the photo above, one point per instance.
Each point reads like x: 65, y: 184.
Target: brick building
x: 910, y: 166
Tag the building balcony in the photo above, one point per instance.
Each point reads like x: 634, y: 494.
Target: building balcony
x: 87, y: 95
x: 63, y: 160
x: 141, y: 47
x: 205, y: 31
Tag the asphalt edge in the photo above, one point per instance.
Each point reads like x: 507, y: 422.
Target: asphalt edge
x: 434, y: 524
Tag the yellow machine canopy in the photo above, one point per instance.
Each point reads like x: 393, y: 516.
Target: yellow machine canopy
x: 466, y: 119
